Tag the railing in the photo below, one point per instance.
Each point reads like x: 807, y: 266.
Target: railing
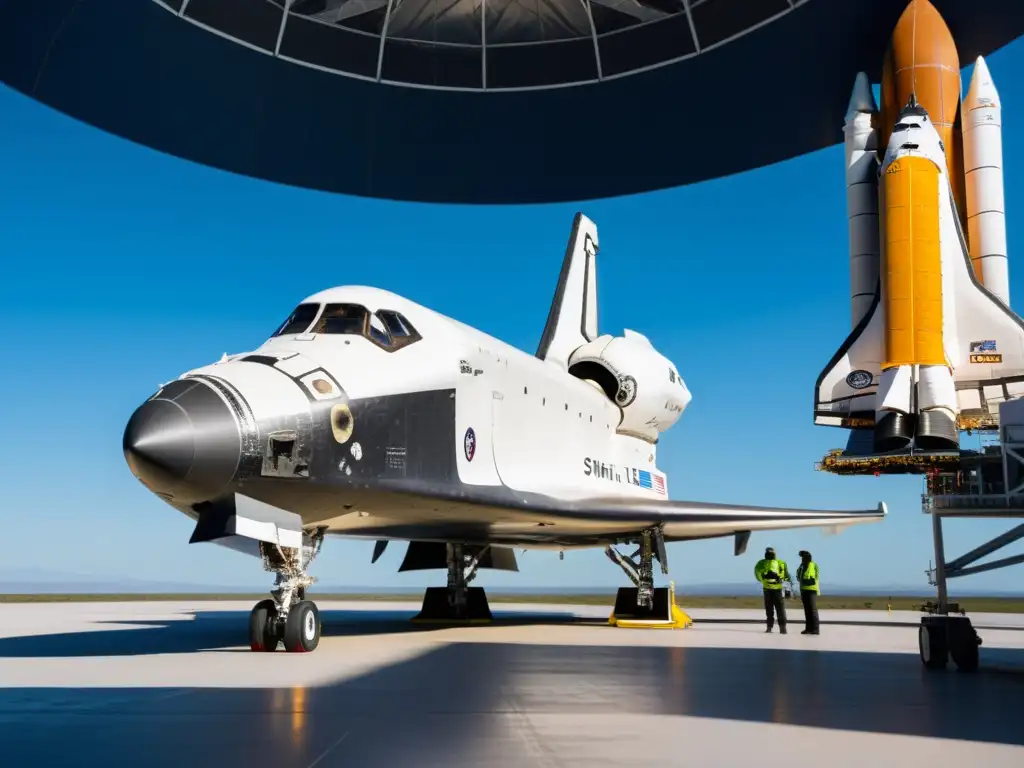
x: 973, y: 501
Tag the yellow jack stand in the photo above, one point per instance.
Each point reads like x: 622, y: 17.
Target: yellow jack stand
x: 665, y: 614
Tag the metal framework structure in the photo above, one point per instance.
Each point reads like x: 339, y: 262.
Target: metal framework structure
x: 481, y: 44
x: 988, y: 484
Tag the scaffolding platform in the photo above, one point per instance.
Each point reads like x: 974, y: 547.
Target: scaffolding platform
x: 987, y: 482
x: 839, y: 462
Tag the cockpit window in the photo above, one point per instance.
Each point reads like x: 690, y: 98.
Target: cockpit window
x: 342, y: 319
x: 378, y: 332
x: 299, y: 320
x: 386, y: 328
x: 398, y: 326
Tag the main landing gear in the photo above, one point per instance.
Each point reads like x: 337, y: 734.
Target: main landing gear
x: 645, y: 605
x: 942, y: 637
x: 288, y: 617
x: 457, y: 602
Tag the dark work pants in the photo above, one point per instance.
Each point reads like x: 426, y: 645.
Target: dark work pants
x: 774, y: 605
x: 810, y: 601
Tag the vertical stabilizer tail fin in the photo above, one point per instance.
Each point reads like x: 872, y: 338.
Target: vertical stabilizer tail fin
x: 572, y: 320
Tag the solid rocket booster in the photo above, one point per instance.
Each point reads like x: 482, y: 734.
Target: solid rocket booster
x: 983, y: 165
x: 922, y: 60
x: 861, y: 145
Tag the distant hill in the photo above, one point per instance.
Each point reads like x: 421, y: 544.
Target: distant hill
x: 19, y: 581
x: 29, y: 581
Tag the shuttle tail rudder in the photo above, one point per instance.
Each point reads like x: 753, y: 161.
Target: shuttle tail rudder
x: 572, y: 320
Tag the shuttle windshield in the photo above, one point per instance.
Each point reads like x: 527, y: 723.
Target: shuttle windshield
x: 342, y: 319
x: 299, y: 320
x: 386, y: 328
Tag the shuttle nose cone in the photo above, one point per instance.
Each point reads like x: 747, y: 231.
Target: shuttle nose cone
x: 183, y: 443
x: 159, y: 444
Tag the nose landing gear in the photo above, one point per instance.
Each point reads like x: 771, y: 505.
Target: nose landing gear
x: 288, y: 617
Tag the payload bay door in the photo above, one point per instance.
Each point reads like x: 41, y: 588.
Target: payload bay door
x: 539, y: 439
x: 474, y: 394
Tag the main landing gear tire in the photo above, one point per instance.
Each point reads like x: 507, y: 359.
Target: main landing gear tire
x: 302, y: 628
x: 965, y: 655
x: 942, y: 637
x: 931, y: 644
x: 262, y: 625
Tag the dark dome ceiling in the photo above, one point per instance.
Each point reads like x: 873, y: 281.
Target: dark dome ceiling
x: 483, y: 44
x: 469, y: 101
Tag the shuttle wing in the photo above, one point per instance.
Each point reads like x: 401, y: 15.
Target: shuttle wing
x: 845, y: 390
x: 989, y: 361
x: 695, y: 519
x: 519, y: 518
x: 524, y: 519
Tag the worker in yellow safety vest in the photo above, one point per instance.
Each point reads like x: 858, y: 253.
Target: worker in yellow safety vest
x: 807, y: 574
x: 771, y: 573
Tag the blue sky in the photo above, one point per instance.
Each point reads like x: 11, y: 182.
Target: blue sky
x: 124, y: 267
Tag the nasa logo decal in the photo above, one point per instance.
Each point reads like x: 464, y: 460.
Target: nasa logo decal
x: 627, y: 391
x: 859, y: 379
x: 469, y: 444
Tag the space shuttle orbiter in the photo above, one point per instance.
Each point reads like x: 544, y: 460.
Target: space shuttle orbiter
x: 935, y: 346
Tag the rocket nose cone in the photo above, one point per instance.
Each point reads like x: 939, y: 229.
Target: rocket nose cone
x: 921, y: 36
x: 862, y: 99
x: 982, y: 87
x: 923, y: 8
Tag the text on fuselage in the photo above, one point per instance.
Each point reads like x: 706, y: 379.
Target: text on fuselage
x: 641, y: 478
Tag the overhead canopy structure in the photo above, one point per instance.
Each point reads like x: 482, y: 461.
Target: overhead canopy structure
x: 476, y: 101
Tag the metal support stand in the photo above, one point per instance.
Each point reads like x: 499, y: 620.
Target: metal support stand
x: 941, y: 634
x: 461, y: 572
x: 939, y: 576
x: 640, y: 566
x: 646, y: 606
x: 460, y: 602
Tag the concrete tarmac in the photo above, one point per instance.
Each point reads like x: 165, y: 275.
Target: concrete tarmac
x: 173, y: 684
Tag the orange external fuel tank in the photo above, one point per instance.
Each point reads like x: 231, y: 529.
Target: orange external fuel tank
x: 912, y: 268
x: 922, y: 60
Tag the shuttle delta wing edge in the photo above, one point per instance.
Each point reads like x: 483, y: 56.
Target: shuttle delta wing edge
x: 844, y: 394
x: 681, y: 520
x: 988, y: 367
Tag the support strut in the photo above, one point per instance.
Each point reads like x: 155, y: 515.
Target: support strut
x: 288, y: 617
x: 645, y: 606
x: 289, y: 564
x: 461, y: 572
x: 942, y: 635
x: 457, y: 601
x: 639, y: 566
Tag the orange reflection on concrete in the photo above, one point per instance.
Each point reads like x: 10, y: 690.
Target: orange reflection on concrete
x: 288, y: 715
x: 298, y: 703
